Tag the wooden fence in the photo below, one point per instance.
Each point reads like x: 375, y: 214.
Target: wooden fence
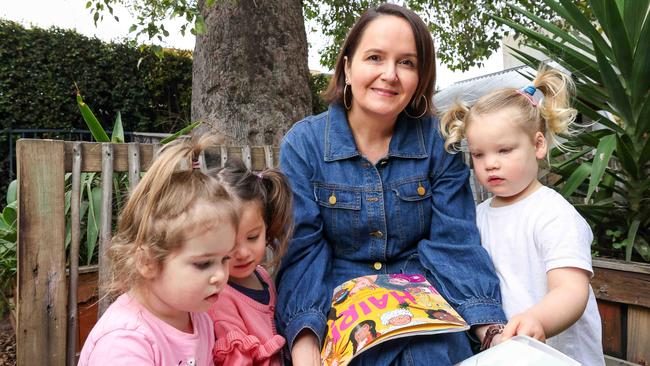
x: 47, y: 315
x: 46, y: 312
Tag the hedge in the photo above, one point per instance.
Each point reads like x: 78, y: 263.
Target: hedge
x: 38, y: 69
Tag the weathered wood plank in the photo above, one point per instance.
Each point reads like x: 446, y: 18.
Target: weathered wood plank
x: 621, y: 265
x: 105, y: 228
x: 134, y: 165
x: 92, y: 162
x: 92, y: 156
x: 611, y: 316
x: 638, y: 335
x: 41, y: 334
x: 75, y: 230
x: 622, y: 286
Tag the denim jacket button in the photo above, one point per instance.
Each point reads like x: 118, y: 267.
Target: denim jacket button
x: 377, y: 266
x: 377, y: 234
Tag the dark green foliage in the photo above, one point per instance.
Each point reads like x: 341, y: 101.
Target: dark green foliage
x: 38, y: 69
x: 318, y: 84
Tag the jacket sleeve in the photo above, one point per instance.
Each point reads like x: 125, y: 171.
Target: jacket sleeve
x: 303, y: 297
x: 453, y: 253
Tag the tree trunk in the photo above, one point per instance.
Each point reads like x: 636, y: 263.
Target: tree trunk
x: 250, y: 76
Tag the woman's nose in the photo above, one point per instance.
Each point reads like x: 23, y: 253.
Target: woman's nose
x: 389, y: 73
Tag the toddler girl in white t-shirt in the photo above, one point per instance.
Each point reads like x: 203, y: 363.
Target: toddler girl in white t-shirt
x: 539, y: 244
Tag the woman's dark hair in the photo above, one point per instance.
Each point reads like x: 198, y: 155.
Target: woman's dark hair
x: 271, y: 189
x: 425, y: 53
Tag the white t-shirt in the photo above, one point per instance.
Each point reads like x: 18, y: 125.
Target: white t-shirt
x: 128, y: 334
x: 526, y: 240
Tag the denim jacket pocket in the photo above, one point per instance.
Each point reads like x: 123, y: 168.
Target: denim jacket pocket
x: 340, y: 209
x: 412, y: 200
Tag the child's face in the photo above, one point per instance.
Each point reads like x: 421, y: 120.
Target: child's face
x: 251, y: 242
x: 504, y: 156
x: 191, y: 277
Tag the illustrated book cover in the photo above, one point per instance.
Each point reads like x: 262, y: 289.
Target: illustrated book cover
x: 369, y: 310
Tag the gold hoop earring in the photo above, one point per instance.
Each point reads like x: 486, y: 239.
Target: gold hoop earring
x: 345, y: 95
x: 426, y: 107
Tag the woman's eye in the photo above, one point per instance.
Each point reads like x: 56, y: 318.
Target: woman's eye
x: 203, y: 265
x: 408, y: 63
x: 374, y: 58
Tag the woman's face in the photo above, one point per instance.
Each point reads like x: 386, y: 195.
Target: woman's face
x: 363, y: 333
x: 383, y: 71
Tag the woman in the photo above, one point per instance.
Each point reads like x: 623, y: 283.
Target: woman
x: 375, y: 192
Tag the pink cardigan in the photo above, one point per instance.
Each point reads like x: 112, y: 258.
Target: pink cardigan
x: 245, y: 329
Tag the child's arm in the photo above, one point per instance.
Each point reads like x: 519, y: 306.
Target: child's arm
x: 563, y: 305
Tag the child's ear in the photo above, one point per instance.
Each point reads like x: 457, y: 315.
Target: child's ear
x: 146, y: 264
x: 541, y: 148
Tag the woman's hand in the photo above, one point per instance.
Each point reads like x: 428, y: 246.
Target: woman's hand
x: 524, y: 324
x: 306, y: 351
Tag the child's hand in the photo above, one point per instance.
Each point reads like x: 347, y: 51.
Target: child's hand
x: 524, y: 324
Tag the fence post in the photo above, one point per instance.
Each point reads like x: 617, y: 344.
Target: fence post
x: 41, y: 317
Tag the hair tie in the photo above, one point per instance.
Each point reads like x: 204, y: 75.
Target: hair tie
x: 259, y: 175
x: 529, y: 93
x: 196, y: 164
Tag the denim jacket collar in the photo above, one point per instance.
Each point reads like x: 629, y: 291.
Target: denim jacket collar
x: 407, y: 140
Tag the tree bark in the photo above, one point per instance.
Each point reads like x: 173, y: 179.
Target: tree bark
x: 250, y: 80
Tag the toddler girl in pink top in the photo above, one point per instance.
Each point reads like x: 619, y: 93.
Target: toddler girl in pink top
x: 244, y: 314
x: 169, y: 261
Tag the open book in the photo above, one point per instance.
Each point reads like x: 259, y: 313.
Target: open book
x: 520, y: 351
x: 372, y: 309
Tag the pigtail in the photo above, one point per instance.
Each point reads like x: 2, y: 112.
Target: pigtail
x: 555, y: 108
x: 452, y: 126
x: 278, y: 213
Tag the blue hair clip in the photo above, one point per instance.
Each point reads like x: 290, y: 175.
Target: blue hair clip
x: 529, y: 93
x: 530, y: 90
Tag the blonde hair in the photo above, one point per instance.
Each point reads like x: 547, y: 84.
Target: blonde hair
x: 159, y: 214
x: 553, y: 115
x: 271, y: 189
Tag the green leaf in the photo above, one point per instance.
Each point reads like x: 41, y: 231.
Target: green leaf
x: 576, y: 179
x: 629, y: 241
x: 642, y: 248
x: 626, y: 155
x: 619, y: 98
x: 644, y: 156
x: 133, y: 28
x: 576, y: 60
x: 569, y: 11
x: 9, y: 216
x: 118, y: 131
x: 88, y: 4
x: 553, y: 29
x: 183, y: 131
x: 610, y: 20
x: 640, y: 80
x: 597, y: 117
x: 634, y: 13
x: 11, y: 191
x: 93, y: 124
x: 600, y: 162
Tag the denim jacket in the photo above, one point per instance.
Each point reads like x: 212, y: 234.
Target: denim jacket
x: 412, y: 212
